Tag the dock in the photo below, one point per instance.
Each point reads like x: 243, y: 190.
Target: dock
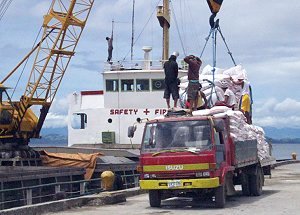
x: 284, y: 184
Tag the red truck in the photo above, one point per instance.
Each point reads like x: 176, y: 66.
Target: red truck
x: 195, y: 156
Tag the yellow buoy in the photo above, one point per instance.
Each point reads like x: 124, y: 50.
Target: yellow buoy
x: 107, y: 180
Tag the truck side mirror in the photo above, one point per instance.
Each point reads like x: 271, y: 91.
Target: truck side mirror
x: 131, y: 130
x: 219, y: 125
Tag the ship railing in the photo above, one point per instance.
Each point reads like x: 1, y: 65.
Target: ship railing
x: 29, y: 195
x: 140, y: 65
x: 133, y: 65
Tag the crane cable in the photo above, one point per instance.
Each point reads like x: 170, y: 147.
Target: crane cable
x: 4, y: 5
x: 28, y: 57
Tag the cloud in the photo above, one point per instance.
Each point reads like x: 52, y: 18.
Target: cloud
x: 60, y: 106
x: 39, y: 9
x: 54, y: 120
x: 278, y: 114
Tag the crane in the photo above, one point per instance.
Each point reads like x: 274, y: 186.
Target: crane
x: 62, y: 28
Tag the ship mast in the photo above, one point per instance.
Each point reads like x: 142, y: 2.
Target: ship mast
x: 163, y: 16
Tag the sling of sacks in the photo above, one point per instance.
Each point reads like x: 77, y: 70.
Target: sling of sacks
x: 239, y: 129
x: 220, y: 75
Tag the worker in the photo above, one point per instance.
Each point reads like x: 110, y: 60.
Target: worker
x: 202, y: 102
x: 245, y: 100
x: 193, y: 78
x: 229, y: 97
x: 171, y: 79
x: 110, y: 47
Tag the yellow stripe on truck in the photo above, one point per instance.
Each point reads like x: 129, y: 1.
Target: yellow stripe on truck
x: 175, y: 167
x: 180, y: 184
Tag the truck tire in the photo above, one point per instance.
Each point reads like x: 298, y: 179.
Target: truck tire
x: 245, y: 184
x: 155, y: 198
x: 220, y: 196
x: 256, y: 182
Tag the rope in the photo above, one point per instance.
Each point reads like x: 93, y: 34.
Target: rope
x: 3, y: 7
x: 228, y: 51
x: 13, y: 92
x: 28, y: 57
x: 142, y: 29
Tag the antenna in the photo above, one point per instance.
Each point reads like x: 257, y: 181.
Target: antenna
x: 132, y: 30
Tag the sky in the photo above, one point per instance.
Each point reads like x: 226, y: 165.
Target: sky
x: 262, y: 35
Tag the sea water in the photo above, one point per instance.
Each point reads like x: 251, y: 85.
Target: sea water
x: 285, y: 150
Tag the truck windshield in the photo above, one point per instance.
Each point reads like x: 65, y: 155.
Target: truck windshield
x: 174, y: 135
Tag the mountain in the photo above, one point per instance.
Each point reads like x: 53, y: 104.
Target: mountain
x: 62, y: 131
x: 282, y: 133
x: 52, y: 137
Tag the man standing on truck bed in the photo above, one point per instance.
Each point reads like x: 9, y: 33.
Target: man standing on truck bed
x: 171, y: 77
x: 245, y: 100
x: 193, y: 77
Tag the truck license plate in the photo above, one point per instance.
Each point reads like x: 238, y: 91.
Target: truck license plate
x: 172, y: 184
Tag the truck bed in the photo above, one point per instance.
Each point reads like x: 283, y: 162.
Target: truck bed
x: 246, y: 154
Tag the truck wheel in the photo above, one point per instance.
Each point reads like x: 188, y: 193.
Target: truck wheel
x: 155, y: 198
x: 256, y: 182
x: 245, y: 184
x: 220, y: 196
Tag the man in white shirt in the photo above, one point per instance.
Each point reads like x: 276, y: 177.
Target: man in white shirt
x: 245, y: 100
x: 229, y: 100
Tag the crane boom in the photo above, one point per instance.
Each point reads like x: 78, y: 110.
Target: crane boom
x: 63, y: 26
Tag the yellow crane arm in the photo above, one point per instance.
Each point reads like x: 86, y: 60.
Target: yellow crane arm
x: 65, y: 20
x: 62, y: 28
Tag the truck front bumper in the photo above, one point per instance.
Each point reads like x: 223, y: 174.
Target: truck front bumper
x: 179, y: 184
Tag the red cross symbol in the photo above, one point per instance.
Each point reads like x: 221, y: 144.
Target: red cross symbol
x: 146, y: 111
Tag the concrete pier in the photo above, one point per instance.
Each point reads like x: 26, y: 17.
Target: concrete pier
x: 281, y: 194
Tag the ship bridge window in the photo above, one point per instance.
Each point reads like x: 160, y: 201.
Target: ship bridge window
x: 79, y: 121
x: 127, y: 85
x: 142, y: 85
x: 158, y: 84
x: 112, y: 85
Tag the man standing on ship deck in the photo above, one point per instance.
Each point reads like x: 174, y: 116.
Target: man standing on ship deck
x: 110, y: 47
x: 171, y: 77
x: 193, y: 77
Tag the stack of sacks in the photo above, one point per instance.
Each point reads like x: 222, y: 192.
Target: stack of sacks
x: 239, y: 129
x: 216, y: 94
x: 215, y: 111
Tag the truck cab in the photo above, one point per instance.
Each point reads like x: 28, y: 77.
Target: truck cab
x: 189, y: 154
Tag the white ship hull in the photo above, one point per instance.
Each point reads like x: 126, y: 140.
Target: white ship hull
x: 98, y: 117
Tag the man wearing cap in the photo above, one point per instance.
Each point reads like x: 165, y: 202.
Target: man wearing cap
x: 171, y: 75
x: 193, y: 77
